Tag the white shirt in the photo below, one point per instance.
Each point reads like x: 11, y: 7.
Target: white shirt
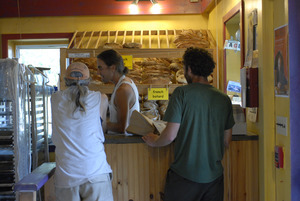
x: 112, y: 107
x: 78, y: 137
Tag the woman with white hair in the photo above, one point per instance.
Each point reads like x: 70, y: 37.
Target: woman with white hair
x: 82, y: 171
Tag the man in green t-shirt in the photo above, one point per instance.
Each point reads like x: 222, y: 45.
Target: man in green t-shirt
x: 200, y: 118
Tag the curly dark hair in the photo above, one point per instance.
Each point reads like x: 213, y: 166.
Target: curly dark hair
x: 112, y: 57
x: 199, y: 60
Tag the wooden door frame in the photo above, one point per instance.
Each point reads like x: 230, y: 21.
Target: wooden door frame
x: 238, y: 8
x: 7, y: 37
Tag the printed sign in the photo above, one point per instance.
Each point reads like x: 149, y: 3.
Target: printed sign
x: 252, y: 114
x: 281, y: 125
x: 234, y: 86
x: 232, y: 45
x: 127, y: 61
x: 79, y: 55
x: 158, y: 94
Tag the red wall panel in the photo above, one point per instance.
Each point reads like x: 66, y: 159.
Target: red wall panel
x: 32, y: 8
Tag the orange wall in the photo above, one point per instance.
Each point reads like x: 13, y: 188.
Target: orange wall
x: 104, y: 23
x: 39, y: 25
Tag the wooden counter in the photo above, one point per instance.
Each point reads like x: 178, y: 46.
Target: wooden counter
x: 139, y: 171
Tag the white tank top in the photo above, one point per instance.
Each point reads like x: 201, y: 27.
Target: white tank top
x: 78, y: 137
x: 112, y: 107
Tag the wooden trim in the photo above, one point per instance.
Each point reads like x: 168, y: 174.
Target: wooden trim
x: 238, y: 8
x: 7, y: 37
x: 36, y: 179
x: 242, y: 36
x: 232, y: 12
x: 74, y: 35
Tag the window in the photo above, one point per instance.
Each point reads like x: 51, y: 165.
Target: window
x: 42, y: 57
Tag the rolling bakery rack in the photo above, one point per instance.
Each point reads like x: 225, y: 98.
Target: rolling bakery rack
x: 24, y: 99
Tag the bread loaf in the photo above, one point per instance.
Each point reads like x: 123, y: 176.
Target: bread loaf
x: 112, y: 46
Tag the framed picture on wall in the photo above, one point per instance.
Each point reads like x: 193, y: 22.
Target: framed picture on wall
x: 281, y: 68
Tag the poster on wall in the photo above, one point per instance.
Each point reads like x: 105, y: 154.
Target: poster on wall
x: 281, y: 68
x: 251, y: 40
x: 249, y: 53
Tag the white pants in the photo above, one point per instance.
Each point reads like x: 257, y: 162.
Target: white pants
x: 89, y: 191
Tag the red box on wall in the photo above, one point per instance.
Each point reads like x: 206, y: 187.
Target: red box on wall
x: 249, y: 82
x: 278, y: 157
x: 252, y: 89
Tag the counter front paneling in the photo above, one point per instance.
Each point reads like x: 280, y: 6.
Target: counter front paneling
x: 139, y: 171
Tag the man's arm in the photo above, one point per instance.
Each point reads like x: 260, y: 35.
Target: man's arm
x: 227, y: 137
x: 103, y: 110
x: 167, y: 136
x: 123, y: 98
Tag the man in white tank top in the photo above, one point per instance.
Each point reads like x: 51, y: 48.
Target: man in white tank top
x: 125, y: 97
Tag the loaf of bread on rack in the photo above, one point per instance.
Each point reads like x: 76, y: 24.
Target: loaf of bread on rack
x: 132, y: 45
x: 91, y: 63
x: 175, y: 66
x: 156, y: 71
x: 152, y: 114
x: 192, y: 38
x: 180, y: 77
x: 113, y: 46
x: 150, y: 104
x: 136, y: 73
x: 162, y: 107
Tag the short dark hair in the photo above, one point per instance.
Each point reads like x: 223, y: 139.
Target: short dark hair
x: 199, y: 60
x: 112, y: 57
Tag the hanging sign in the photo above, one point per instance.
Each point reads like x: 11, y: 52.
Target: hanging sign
x: 127, y: 61
x: 281, y: 125
x: 158, y: 94
x: 232, y: 45
x: 79, y: 55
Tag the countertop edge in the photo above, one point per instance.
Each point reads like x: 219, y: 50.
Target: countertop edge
x: 122, y: 139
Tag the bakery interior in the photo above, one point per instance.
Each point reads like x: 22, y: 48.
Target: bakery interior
x: 262, y: 163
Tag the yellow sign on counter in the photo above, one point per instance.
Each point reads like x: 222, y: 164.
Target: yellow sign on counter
x: 158, y: 94
x: 127, y: 61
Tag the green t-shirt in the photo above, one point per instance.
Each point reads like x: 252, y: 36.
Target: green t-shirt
x: 203, y: 113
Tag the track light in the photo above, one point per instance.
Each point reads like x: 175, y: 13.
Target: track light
x: 133, y: 7
x: 155, y: 9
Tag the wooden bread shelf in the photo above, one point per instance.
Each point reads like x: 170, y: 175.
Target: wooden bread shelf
x: 142, y: 88
x: 155, y: 44
x: 150, y: 38
x: 136, y: 53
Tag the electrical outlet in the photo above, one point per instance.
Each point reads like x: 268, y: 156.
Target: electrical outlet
x: 193, y: 1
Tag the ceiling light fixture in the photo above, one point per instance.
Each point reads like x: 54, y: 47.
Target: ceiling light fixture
x: 156, y: 8
x: 133, y: 7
